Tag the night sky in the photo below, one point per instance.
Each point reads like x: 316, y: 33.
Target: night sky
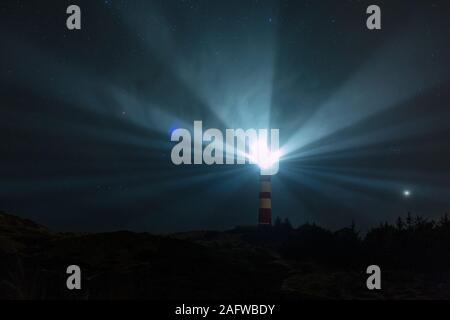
x: 86, y: 116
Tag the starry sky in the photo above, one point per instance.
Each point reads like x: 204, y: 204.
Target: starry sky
x: 86, y: 116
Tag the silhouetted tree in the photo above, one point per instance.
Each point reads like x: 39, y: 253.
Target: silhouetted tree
x: 444, y: 221
x: 400, y: 224
x: 409, y: 221
x: 287, y: 224
x: 277, y: 222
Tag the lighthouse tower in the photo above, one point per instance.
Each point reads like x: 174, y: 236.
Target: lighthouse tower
x: 265, y: 201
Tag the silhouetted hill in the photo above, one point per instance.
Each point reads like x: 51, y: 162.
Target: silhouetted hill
x: 18, y: 234
x: 129, y: 265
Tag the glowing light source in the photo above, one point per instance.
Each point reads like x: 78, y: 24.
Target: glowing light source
x: 262, y: 156
x: 406, y: 193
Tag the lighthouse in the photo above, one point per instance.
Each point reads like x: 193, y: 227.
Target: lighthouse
x: 265, y: 201
x: 267, y: 160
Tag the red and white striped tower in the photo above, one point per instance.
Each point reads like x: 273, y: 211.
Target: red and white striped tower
x: 265, y: 201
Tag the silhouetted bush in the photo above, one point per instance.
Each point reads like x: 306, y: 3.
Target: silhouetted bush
x: 415, y: 244
x: 308, y: 242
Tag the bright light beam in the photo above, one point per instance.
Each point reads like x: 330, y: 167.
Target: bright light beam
x: 262, y: 156
x: 388, y: 79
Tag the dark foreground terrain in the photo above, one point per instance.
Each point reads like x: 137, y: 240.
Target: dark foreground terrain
x: 273, y: 263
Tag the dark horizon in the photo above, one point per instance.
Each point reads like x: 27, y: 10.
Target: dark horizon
x: 306, y: 263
